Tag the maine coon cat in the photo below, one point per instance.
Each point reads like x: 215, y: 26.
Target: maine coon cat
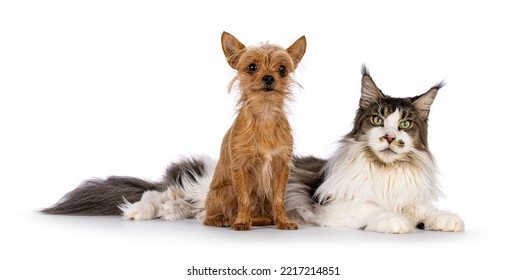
x: 381, y: 178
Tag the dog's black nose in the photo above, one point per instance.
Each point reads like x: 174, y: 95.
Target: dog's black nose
x: 268, y: 79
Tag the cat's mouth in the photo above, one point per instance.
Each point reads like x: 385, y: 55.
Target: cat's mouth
x: 388, y: 151
x: 385, y: 155
x: 388, y: 155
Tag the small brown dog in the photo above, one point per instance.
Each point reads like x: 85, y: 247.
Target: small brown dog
x: 248, y: 185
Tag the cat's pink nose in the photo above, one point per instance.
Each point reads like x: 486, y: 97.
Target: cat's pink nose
x: 390, y: 138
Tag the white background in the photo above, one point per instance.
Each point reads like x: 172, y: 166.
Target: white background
x: 97, y: 88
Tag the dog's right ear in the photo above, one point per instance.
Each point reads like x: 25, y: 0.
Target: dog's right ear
x: 231, y: 48
x: 297, y: 50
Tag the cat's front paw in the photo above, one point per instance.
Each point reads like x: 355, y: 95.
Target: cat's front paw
x: 444, y: 222
x: 391, y: 224
x: 174, y: 210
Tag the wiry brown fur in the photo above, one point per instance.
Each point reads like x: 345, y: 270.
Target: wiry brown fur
x: 248, y: 185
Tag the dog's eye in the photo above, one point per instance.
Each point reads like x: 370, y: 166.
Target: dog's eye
x: 252, y: 68
x: 282, y: 71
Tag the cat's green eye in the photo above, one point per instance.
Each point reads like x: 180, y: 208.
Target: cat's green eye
x: 377, y: 120
x: 404, y: 124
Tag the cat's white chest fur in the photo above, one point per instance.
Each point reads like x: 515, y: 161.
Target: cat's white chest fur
x: 354, y: 179
x: 394, y: 188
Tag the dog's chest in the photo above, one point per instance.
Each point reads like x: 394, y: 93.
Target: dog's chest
x: 264, y: 171
x: 266, y: 159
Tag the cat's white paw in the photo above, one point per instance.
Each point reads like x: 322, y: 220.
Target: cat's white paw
x: 444, y: 222
x: 138, y: 211
x: 174, y: 210
x: 390, y: 224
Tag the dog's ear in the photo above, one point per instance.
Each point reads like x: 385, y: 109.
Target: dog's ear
x: 297, y: 50
x: 231, y: 48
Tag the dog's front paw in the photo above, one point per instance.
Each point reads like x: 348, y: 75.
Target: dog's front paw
x: 287, y: 226
x: 216, y: 221
x: 444, y: 222
x: 241, y: 226
x: 391, y: 224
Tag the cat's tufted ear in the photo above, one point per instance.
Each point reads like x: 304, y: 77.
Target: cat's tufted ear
x: 370, y: 92
x: 423, y: 102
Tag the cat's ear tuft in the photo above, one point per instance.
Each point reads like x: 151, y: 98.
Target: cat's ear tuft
x: 439, y: 85
x: 370, y: 92
x: 423, y: 102
x: 365, y: 71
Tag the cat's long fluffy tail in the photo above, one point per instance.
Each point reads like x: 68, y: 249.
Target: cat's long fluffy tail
x: 186, y: 181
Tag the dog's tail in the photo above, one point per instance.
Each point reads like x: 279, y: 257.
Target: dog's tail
x: 187, y: 180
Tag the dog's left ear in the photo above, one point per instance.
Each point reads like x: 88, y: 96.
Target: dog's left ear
x: 297, y: 50
x: 231, y: 48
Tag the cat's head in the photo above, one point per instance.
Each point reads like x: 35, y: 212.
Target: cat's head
x: 391, y: 129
